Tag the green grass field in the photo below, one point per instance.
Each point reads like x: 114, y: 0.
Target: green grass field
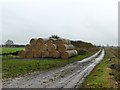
x: 15, y: 67
x: 100, y: 77
x: 9, y: 50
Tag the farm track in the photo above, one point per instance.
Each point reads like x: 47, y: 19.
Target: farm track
x: 69, y: 76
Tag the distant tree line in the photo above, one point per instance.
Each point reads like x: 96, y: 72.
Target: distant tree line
x: 15, y: 45
x: 10, y: 43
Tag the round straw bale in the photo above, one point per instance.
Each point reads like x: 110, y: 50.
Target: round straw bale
x: 62, y: 41
x: 53, y: 39
x: 56, y: 54
x: 49, y: 42
x: 21, y: 54
x: 32, y: 47
x: 69, y: 53
x: 59, y: 41
x: 42, y: 40
x: 41, y: 47
x: 45, y: 54
x: 44, y: 47
x: 36, y: 47
x: 37, y: 54
x: 51, y: 47
x: 33, y: 41
x: 29, y: 54
x: 51, y: 54
x: 27, y: 47
x: 64, y: 47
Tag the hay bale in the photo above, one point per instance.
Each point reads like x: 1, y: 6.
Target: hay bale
x: 35, y: 47
x: 33, y: 41
x: 53, y: 39
x: 32, y: 47
x: 29, y: 54
x: 42, y: 40
x: 69, y: 53
x: 51, y: 47
x: 37, y: 54
x: 64, y: 47
x: 62, y: 41
x: 56, y: 54
x: 25, y: 54
x: 21, y: 54
x: 27, y: 47
x: 43, y: 47
x: 51, y: 54
x: 45, y: 54
x: 49, y: 42
x: 40, y: 47
x: 59, y: 42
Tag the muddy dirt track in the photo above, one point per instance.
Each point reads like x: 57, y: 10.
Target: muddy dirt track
x: 69, y: 76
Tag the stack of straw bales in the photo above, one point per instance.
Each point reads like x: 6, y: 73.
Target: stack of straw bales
x: 52, y: 48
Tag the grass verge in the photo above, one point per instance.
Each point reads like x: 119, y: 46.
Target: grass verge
x: 101, y: 76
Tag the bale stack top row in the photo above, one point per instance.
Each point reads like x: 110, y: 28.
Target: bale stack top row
x: 52, y: 48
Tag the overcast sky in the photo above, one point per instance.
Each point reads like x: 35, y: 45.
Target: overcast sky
x: 93, y: 21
